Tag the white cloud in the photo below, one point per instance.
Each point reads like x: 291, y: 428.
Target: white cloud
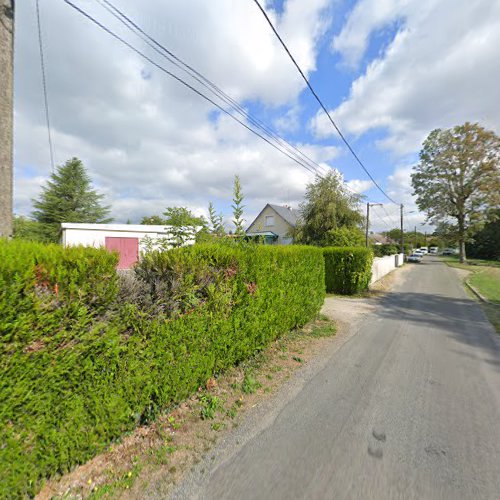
x: 440, y: 69
x: 359, y: 185
x: 147, y: 141
x: 399, y: 188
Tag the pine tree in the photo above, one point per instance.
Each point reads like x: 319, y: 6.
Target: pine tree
x: 68, y: 197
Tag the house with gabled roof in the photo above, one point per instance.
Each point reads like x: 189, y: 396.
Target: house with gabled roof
x: 275, y: 224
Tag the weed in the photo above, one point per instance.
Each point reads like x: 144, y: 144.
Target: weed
x: 232, y: 412
x: 217, y: 426
x: 296, y: 358
x: 173, y: 423
x: 162, y: 453
x: 210, y: 405
x: 250, y: 384
x: 323, y: 330
x: 122, y: 483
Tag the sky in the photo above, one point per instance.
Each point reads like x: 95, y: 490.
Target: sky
x: 389, y: 72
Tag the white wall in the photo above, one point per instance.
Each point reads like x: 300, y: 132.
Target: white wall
x: 384, y: 265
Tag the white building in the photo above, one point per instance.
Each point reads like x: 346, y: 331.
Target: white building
x: 129, y: 240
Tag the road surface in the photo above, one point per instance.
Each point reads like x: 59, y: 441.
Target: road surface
x: 409, y: 407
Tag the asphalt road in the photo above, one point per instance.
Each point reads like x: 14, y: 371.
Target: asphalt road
x: 409, y: 407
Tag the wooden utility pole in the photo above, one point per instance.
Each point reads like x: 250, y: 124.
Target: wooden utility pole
x: 6, y: 115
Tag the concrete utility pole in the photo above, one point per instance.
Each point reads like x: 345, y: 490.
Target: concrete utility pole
x: 368, y: 205
x: 402, y: 231
x: 6, y: 115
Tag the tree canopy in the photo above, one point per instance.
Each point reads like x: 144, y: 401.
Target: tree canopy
x: 328, y: 206
x: 68, y: 197
x: 457, y: 180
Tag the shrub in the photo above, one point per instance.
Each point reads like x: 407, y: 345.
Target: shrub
x: 386, y: 249
x: 347, y: 270
x: 71, y: 386
x: 345, y: 237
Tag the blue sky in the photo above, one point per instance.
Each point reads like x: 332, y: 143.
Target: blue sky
x: 389, y: 72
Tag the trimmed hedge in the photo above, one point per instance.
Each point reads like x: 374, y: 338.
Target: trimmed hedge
x: 347, y: 270
x: 79, y: 365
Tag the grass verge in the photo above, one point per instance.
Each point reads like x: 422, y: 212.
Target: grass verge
x: 178, y: 439
x: 485, y: 278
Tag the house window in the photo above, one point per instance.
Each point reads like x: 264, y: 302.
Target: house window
x: 269, y: 220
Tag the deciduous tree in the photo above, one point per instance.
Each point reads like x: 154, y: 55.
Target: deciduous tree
x: 457, y: 179
x: 328, y: 206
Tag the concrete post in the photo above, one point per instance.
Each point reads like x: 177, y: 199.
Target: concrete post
x: 6, y: 115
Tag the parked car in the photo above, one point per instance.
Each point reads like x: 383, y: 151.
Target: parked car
x: 424, y: 250
x: 449, y: 251
x: 433, y: 250
x: 415, y: 257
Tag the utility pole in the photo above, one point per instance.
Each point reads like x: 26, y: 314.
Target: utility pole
x: 368, y: 205
x: 415, y: 236
x: 402, y: 231
x: 6, y: 114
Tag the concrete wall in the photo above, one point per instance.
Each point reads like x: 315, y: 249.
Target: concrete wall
x: 280, y: 226
x: 384, y: 265
x: 6, y: 114
x: 94, y: 235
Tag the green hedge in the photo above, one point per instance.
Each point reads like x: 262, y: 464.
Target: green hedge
x: 347, y: 270
x: 71, y: 386
x: 385, y: 249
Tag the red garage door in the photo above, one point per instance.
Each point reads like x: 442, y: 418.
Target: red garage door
x: 128, y: 248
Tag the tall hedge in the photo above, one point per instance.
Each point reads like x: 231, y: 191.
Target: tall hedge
x: 347, y: 270
x: 80, y: 365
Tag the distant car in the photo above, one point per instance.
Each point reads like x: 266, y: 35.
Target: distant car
x: 419, y: 251
x: 424, y: 250
x: 449, y: 251
x: 433, y: 250
x: 415, y: 257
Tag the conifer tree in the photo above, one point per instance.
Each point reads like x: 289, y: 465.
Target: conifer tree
x: 68, y: 196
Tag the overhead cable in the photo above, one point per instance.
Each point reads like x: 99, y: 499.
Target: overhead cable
x: 44, y: 85
x: 321, y: 103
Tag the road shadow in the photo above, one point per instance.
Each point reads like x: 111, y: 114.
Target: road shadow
x: 463, y: 319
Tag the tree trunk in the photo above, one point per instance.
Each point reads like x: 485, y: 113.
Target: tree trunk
x: 461, y: 238
x: 463, y: 259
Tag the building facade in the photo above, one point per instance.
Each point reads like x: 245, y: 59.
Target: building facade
x: 275, y: 223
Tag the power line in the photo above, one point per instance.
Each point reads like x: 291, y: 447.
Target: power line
x: 321, y: 103
x: 180, y: 80
x: 293, y: 153
x: 44, y: 84
x: 389, y: 217
x: 200, y: 78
